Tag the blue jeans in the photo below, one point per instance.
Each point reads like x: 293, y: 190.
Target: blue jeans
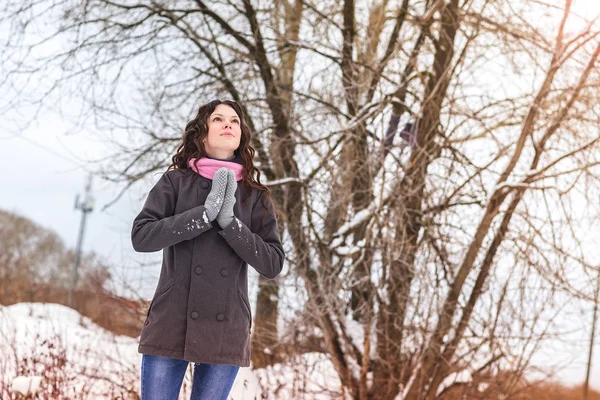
x: 162, y: 378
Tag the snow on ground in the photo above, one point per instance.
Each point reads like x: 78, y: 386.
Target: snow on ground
x: 74, y: 355
x: 80, y: 360
x: 307, y: 377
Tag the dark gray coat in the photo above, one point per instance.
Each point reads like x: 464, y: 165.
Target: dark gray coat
x: 200, y: 311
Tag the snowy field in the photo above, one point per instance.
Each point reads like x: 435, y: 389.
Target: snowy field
x: 76, y: 359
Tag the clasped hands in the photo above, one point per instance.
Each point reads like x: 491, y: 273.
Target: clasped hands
x: 221, y: 199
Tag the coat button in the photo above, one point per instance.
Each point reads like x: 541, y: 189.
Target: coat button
x: 204, y: 185
x: 194, y: 315
x: 198, y: 270
x: 220, y: 317
x: 224, y: 272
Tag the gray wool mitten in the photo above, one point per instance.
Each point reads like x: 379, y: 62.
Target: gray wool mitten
x: 225, y: 216
x: 214, y: 200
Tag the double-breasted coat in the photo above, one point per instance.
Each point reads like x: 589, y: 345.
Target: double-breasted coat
x: 200, y: 310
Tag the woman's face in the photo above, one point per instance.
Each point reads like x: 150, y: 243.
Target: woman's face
x: 224, y: 132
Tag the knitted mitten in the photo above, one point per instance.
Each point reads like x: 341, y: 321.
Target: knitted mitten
x: 225, y: 216
x: 214, y: 200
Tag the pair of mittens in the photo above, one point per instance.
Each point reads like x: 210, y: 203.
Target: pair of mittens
x: 221, y: 199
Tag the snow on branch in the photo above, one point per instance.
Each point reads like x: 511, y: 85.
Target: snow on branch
x: 368, y: 212
x: 283, y: 181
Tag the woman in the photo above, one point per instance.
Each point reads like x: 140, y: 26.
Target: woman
x: 211, y: 218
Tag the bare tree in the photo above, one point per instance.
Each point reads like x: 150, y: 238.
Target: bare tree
x: 31, y: 254
x: 443, y: 247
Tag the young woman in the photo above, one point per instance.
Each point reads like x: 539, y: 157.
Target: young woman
x: 211, y: 217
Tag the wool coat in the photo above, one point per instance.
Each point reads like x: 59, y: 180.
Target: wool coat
x: 200, y: 310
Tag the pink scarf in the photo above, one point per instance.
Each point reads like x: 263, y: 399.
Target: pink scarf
x: 207, y: 167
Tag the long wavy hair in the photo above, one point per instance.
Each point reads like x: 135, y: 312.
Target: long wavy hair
x: 192, y: 146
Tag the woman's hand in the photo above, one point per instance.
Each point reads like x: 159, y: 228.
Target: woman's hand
x: 225, y: 216
x: 214, y: 200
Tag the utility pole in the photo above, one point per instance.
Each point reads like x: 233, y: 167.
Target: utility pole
x: 589, y: 365
x: 86, y: 206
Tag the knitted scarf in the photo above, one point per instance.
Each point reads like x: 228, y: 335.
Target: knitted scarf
x: 207, y: 167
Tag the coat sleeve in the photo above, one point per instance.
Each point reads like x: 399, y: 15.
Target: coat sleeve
x: 157, y: 226
x: 262, y: 250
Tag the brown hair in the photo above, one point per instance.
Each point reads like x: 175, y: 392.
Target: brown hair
x: 192, y: 145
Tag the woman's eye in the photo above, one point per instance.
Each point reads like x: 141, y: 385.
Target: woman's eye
x: 216, y: 119
x: 236, y: 121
